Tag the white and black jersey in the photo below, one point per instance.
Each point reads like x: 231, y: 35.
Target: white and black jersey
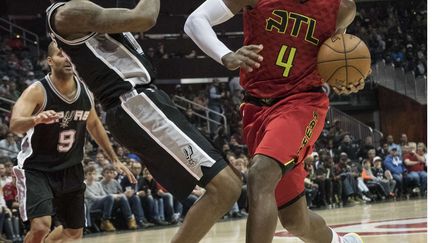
x: 59, y: 145
x: 110, y: 64
x: 140, y: 117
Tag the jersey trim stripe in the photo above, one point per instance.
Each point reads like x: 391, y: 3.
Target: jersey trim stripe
x: 148, y: 78
x: 170, y: 137
x: 77, y: 41
x: 42, y: 108
x: 89, y: 94
x: 60, y: 95
x: 25, y: 152
x: 21, y: 191
x: 159, y: 142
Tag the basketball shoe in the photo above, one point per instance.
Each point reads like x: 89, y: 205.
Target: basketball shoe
x: 352, y: 238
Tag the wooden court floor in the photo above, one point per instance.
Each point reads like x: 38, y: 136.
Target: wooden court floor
x: 389, y: 222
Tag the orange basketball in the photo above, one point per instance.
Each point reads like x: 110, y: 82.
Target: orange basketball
x: 343, y: 59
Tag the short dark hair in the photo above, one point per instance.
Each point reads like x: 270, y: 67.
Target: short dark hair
x: 108, y: 168
x: 89, y: 169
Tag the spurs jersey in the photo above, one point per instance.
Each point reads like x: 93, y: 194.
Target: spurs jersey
x: 59, y: 145
x: 110, y: 64
x: 292, y: 33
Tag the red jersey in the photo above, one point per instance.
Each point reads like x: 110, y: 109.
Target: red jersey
x: 291, y: 33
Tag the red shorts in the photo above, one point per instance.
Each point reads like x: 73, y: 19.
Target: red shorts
x: 286, y: 132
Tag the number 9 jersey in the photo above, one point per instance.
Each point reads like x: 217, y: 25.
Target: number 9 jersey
x: 291, y: 33
x: 59, y: 145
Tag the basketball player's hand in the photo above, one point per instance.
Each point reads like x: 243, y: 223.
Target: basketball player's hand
x: 246, y: 58
x: 45, y: 117
x: 122, y: 169
x: 351, y: 88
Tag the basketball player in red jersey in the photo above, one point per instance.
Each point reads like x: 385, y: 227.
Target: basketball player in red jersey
x: 285, y: 107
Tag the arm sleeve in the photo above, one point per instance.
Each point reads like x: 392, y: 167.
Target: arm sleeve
x: 199, y: 25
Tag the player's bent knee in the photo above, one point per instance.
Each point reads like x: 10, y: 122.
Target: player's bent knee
x: 264, y: 174
x: 73, y: 234
x: 224, y: 188
x: 40, y: 228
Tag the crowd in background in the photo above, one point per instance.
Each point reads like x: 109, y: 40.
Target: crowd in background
x: 396, y: 34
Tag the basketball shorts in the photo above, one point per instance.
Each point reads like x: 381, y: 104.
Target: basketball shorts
x: 177, y: 155
x: 59, y: 193
x: 286, y: 131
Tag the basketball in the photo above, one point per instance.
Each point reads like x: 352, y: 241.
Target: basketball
x: 343, y: 59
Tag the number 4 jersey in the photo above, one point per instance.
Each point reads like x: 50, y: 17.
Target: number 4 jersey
x: 291, y: 33
x: 59, y: 145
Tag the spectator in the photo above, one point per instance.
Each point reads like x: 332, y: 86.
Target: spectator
x: 311, y: 188
x: 383, y: 150
x: 415, y: 161
x: 349, y: 148
x: 372, y: 182
x: 394, y: 164
x: 336, y: 133
x: 385, y: 178
x: 215, y: 104
x: 392, y: 145
x: 150, y: 186
x: 324, y: 179
x: 236, y: 91
x: 4, y: 178
x: 9, y: 146
x: 96, y: 198
x: 366, y: 147
x: 403, y: 140
x: 101, y: 162
x: 113, y: 188
x: 136, y: 197
x: 344, y: 173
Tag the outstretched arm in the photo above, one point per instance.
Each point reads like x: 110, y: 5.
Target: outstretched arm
x: 97, y: 131
x: 199, y: 27
x: 77, y: 17
x: 346, y: 15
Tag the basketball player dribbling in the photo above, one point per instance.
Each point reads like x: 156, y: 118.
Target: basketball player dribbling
x: 284, y: 107
x: 55, y: 114
x: 140, y: 116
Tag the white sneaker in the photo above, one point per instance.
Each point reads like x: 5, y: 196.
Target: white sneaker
x: 352, y: 238
x: 366, y: 199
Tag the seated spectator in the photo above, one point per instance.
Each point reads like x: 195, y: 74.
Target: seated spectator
x: 5, y: 222
x: 324, y: 180
x: 113, y: 187
x: 366, y: 147
x: 394, y: 164
x: 9, y: 146
x: 415, y: 161
x: 96, y: 198
x: 347, y: 177
x: 372, y: 182
x: 101, y: 162
x: 4, y: 178
x: 385, y: 178
x: 392, y: 145
x: 149, y: 187
x: 10, y: 197
x: 382, y: 151
x: 311, y: 188
x: 349, y: 147
x: 134, y: 196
